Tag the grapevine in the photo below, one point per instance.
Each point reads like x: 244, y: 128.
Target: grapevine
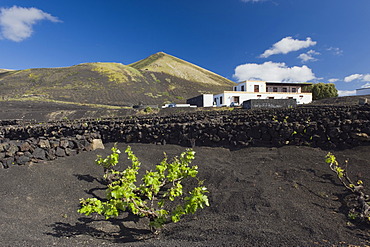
x: 151, y: 198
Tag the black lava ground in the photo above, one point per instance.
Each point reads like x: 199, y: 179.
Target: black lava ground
x: 259, y: 197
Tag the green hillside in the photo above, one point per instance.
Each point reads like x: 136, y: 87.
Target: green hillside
x: 159, y: 79
x: 162, y: 62
x: 5, y: 70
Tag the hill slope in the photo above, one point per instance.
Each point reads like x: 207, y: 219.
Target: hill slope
x: 158, y: 79
x: 162, y: 62
x: 5, y: 70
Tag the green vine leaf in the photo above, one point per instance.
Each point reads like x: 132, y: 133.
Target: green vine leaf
x: 149, y: 198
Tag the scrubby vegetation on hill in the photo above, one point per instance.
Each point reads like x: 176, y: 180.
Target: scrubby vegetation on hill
x: 159, y: 79
x: 161, y: 62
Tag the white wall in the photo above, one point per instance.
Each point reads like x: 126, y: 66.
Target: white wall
x: 240, y: 86
x: 227, y: 97
x: 249, y: 86
x: 207, y: 100
x: 261, y: 84
x: 363, y: 91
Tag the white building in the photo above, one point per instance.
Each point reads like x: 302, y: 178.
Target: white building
x: 363, y: 91
x: 247, y: 90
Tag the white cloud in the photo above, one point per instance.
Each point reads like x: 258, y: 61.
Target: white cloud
x: 288, y: 44
x: 366, y: 77
x: 366, y: 85
x: 308, y: 56
x: 335, y: 51
x: 352, y: 77
x: 333, y: 80
x: 270, y: 71
x: 16, y: 23
x: 253, y: 1
x: 361, y: 77
x: 342, y: 93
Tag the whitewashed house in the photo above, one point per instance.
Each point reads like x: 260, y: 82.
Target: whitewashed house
x: 247, y: 90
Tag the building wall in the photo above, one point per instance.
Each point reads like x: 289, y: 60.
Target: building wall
x: 363, y: 91
x: 247, y: 90
x: 228, y: 97
x: 261, y: 85
x: 248, y: 86
x: 289, y: 89
x: 198, y: 101
x: 204, y: 100
x: 240, y: 87
x: 207, y: 100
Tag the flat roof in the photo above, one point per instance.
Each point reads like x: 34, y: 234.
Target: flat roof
x: 363, y: 88
x: 288, y: 83
x: 278, y: 82
x: 250, y: 81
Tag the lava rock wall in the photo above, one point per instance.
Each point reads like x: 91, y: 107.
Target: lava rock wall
x: 324, y: 127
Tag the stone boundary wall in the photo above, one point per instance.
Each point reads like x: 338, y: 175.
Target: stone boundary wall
x: 323, y: 127
x: 34, y: 150
x: 269, y: 103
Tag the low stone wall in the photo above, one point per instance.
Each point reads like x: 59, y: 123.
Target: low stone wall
x: 34, y: 150
x: 323, y: 127
x: 269, y: 103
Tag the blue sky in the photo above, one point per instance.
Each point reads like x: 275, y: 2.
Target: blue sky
x: 293, y: 40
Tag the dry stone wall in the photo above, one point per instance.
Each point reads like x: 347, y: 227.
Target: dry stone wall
x: 33, y: 150
x: 323, y: 127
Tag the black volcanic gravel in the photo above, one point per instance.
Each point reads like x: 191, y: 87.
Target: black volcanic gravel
x: 259, y: 197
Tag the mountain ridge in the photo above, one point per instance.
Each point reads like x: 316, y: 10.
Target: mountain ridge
x: 158, y: 62
x: 5, y: 70
x: 157, y: 79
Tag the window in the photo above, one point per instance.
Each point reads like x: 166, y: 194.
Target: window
x: 274, y: 89
x: 285, y: 90
x: 221, y: 100
x: 256, y: 88
x: 235, y: 89
x: 294, y: 90
x: 236, y: 99
x: 242, y: 88
x: 271, y: 97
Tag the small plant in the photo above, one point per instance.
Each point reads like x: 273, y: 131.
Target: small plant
x: 179, y: 97
x: 160, y: 196
x: 148, y: 109
x: 360, y: 211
